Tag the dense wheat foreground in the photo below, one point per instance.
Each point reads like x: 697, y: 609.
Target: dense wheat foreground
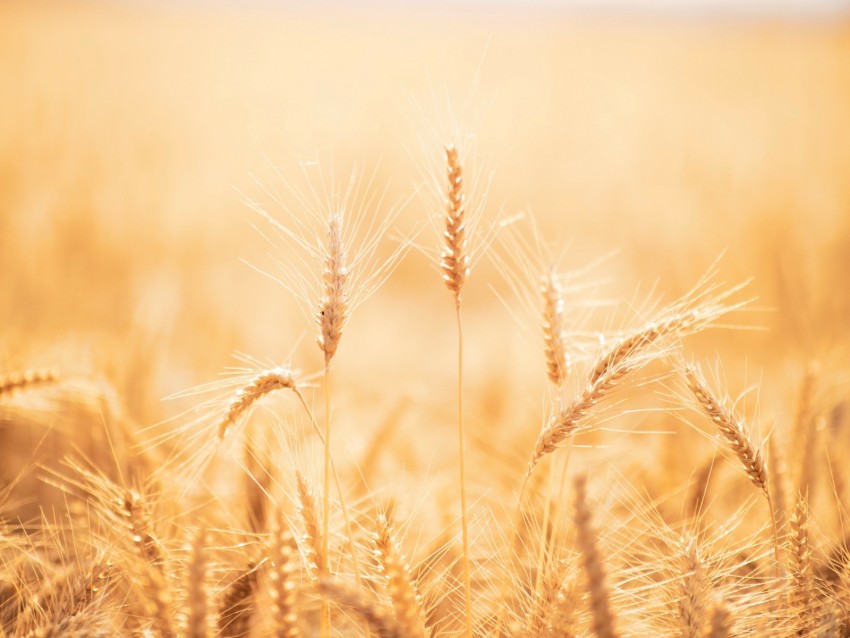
x: 236, y: 400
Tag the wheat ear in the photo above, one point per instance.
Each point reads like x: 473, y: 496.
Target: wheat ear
x: 454, y: 262
x: 602, y: 617
x: 694, y: 587
x: 196, y: 591
x: 265, y: 382
x: 399, y: 582
x: 331, y: 316
x: 733, y: 429
x: 643, y: 339
x: 378, y: 618
x: 315, y: 550
x: 282, y: 566
x: 237, y: 605
x: 14, y: 381
x: 567, y: 420
x: 738, y: 438
x: 554, y: 350
x: 801, y: 572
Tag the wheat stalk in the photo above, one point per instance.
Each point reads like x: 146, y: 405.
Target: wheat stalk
x: 454, y: 262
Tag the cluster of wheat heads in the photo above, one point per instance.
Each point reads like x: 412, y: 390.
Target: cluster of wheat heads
x: 154, y: 536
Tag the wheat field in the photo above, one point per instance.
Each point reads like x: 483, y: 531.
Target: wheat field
x: 422, y: 322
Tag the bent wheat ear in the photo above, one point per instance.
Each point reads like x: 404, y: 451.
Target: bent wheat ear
x: 333, y: 308
x: 733, y: 429
x: 454, y: 260
x: 14, y: 381
x: 247, y: 395
x: 567, y: 420
x: 602, y: 617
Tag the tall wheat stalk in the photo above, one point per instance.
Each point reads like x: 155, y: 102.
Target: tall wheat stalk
x: 454, y: 262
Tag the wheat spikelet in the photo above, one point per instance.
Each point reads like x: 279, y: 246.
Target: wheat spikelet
x: 732, y: 429
x: 316, y: 558
x: 801, y: 571
x: 557, y: 359
x: 379, y: 619
x: 245, y: 397
x: 602, y: 617
x: 333, y: 308
x: 694, y: 588
x: 454, y: 260
x: 72, y: 626
x: 237, y: 605
x: 567, y: 420
x: 196, y: 590
x: 13, y: 381
x: 399, y: 582
x: 157, y: 599
x: 282, y: 566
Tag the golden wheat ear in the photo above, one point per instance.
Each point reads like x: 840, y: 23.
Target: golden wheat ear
x: 16, y: 381
x: 398, y: 580
x: 283, y: 567
x: 602, y: 616
x: 197, y: 602
x: 246, y: 396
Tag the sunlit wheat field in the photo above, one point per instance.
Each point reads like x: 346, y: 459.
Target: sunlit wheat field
x: 422, y: 321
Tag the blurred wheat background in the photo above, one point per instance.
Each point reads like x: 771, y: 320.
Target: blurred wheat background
x: 646, y: 147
